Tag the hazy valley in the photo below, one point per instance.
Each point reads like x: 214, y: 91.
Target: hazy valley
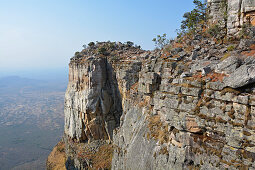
x: 31, y: 121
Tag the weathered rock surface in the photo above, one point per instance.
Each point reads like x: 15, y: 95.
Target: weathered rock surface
x: 244, y: 75
x: 232, y: 14
x: 191, y: 106
x: 92, y: 100
x: 146, y: 110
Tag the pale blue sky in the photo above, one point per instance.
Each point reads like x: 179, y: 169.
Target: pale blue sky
x: 44, y: 34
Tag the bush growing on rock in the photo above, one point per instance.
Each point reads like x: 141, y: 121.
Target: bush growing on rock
x: 160, y: 41
x: 76, y: 53
x: 214, y: 30
x: 102, y: 50
x: 129, y: 43
x: 194, y: 17
x: 91, y: 44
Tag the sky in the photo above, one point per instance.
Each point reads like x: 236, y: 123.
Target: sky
x: 44, y: 34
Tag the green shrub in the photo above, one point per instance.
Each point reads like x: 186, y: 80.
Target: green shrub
x: 102, y: 50
x: 214, y: 30
x: 160, y: 41
x: 194, y: 17
x: 231, y: 48
x: 77, y: 53
x: 111, y: 45
x: 91, y: 44
x: 244, y: 33
x: 129, y: 43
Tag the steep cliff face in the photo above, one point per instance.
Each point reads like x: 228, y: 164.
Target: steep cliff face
x: 92, y: 100
x: 163, y: 110
x: 190, y: 105
x: 233, y: 14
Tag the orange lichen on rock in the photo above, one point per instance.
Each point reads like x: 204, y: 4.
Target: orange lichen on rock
x: 249, y: 53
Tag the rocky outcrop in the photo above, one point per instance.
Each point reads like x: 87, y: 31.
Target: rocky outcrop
x: 188, y: 106
x: 163, y: 113
x: 232, y: 14
x: 92, y: 100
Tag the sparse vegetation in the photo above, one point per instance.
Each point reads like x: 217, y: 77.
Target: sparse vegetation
x: 91, y: 44
x: 102, y: 50
x: 161, y: 41
x: 225, y: 56
x: 231, y: 48
x: 214, y: 30
x: 193, y: 18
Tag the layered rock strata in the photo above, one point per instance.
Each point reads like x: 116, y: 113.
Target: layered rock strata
x: 92, y: 100
x: 163, y: 110
x: 232, y: 14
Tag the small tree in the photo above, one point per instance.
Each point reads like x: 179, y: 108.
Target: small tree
x: 129, y: 43
x: 91, y: 44
x: 102, y: 50
x: 160, y: 41
x: 77, y: 53
x: 194, y: 17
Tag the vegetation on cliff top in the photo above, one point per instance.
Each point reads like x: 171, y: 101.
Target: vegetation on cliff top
x: 112, y: 50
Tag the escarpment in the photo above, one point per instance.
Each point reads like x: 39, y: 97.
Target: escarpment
x: 92, y: 100
x: 162, y: 109
x: 190, y: 105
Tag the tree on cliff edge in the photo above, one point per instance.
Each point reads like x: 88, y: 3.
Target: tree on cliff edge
x: 194, y: 17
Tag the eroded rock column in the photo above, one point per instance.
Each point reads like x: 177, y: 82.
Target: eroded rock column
x: 92, y: 108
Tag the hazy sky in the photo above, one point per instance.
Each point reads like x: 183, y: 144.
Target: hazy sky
x: 44, y: 34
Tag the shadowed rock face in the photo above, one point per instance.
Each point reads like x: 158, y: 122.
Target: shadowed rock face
x: 92, y: 102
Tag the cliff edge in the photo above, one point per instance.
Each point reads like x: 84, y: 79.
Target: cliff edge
x: 190, y: 105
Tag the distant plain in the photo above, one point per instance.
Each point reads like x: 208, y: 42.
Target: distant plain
x: 31, y: 120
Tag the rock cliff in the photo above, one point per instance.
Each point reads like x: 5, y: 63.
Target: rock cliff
x: 190, y: 105
x: 232, y: 14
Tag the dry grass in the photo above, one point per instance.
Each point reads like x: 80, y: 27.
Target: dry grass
x: 229, y: 90
x: 252, y: 47
x: 249, y: 53
x: 215, y: 77
x: 101, y: 159
x: 158, y: 131
x: 57, y: 158
x: 225, y: 56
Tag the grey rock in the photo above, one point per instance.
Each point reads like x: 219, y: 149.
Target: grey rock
x: 194, y: 55
x: 246, y: 43
x: 206, y: 70
x: 223, y: 50
x: 185, y: 74
x: 228, y: 65
x: 244, y: 75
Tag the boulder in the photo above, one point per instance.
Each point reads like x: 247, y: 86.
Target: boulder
x: 228, y: 65
x: 244, y: 75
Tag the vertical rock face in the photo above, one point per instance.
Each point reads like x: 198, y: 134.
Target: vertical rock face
x: 217, y: 10
x: 92, y: 102
x: 159, y: 112
x: 235, y: 14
